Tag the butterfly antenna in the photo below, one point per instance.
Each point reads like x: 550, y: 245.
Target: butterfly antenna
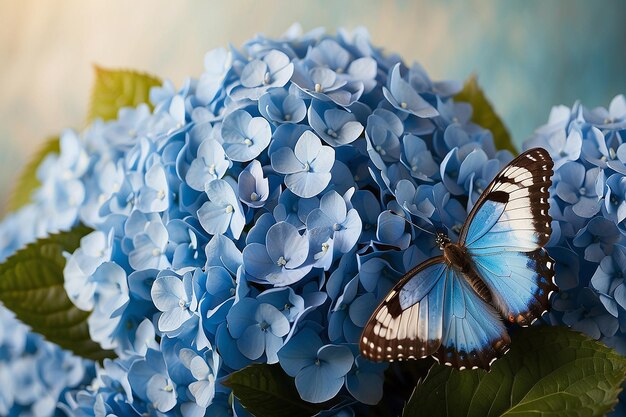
x: 410, y: 222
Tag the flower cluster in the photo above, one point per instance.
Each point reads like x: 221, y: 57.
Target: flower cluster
x: 588, y: 206
x: 258, y: 214
x: 34, y: 373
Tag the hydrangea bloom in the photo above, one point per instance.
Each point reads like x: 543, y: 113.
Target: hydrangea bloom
x: 260, y: 213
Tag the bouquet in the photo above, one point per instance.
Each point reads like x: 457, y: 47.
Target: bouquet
x: 217, y: 249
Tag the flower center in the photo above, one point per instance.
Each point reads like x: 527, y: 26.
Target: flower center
x: 247, y: 142
x: 583, y: 191
x: 229, y: 208
x: 161, y: 194
x: 287, y: 117
x: 318, y: 88
x: 267, y: 78
x: 403, y: 105
x: 254, y: 196
x: 612, y: 153
x: 212, y: 169
x: 264, y: 326
x: 325, y: 247
x: 182, y: 304
x: 281, y: 261
x: 156, y: 252
x: 336, y: 227
x: 331, y: 133
x: 307, y: 167
x: 168, y: 388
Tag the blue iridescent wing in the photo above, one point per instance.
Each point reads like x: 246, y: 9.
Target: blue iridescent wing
x: 505, y: 234
x: 474, y: 335
x: 435, y: 311
x: 408, y: 323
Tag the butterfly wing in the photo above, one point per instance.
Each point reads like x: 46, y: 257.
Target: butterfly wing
x: 474, y: 335
x: 408, y: 323
x: 434, y: 310
x: 505, y: 234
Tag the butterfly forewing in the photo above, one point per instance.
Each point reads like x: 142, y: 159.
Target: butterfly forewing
x: 505, y: 234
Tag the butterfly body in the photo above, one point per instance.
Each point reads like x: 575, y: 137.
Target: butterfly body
x: 451, y: 306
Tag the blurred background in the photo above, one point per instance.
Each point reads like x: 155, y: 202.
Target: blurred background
x: 528, y: 55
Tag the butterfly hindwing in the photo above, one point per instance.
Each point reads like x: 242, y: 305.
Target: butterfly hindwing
x: 505, y: 234
x: 409, y: 321
x: 474, y: 335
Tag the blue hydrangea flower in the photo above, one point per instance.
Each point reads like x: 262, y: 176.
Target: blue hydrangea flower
x: 402, y: 96
x: 244, y: 136
x: 210, y: 164
x: 608, y: 281
x: 173, y: 296
x: 258, y: 328
x: 579, y: 188
x: 335, y: 126
x: 254, y: 189
x: 280, y: 106
x: 319, y: 369
x: 204, y: 372
x: 597, y: 238
x: 365, y: 381
x: 280, y: 261
x: 223, y: 211
x: 343, y: 226
x: 260, y: 75
x: 306, y: 167
x: 151, y: 382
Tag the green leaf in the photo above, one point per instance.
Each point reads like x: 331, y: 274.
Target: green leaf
x: 27, y: 181
x: 31, y: 285
x: 265, y: 390
x: 114, y: 89
x: 484, y: 114
x: 549, y: 371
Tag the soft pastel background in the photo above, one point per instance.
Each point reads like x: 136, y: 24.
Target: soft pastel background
x: 528, y: 55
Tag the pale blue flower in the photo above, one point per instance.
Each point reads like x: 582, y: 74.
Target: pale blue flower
x: 154, y: 196
x: 173, y: 296
x: 306, y: 167
x: 149, y: 247
x: 211, y: 163
x: 258, y: 328
x: 343, y: 225
x: 254, y: 189
x: 319, y: 369
x: 580, y: 188
x: 403, y: 96
x: 95, y: 249
x: 223, y: 211
x: 281, y: 106
x: 151, y: 382
x: 280, y: 261
x: 260, y: 75
x: 204, y: 370
x: 335, y: 126
x: 217, y: 64
x: 597, y: 238
x: 244, y: 136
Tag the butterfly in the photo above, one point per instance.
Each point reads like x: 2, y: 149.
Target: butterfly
x: 451, y: 306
